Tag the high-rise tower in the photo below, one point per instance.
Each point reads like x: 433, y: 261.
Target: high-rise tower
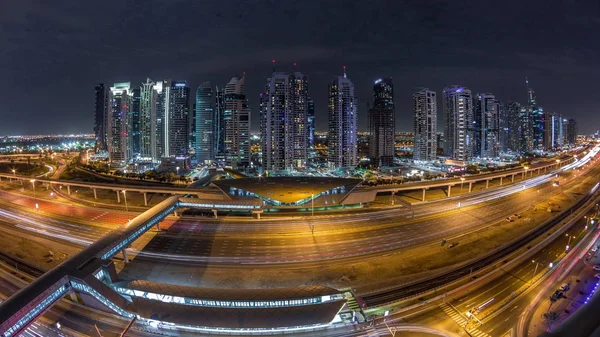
x: 485, y: 126
x: 538, y: 119
x: 425, y: 125
x: 284, y: 121
x: 458, y: 111
x: 382, y: 123
x: 119, y: 101
x: 205, y: 124
x: 343, y: 121
x: 148, y: 120
x: 177, y: 111
x: 236, y: 124
x: 100, y: 118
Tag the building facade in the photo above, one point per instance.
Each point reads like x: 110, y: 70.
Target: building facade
x: 572, y: 132
x: 148, y: 127
x: 119, y: 99
x: 205, y: 124
x: 458, y: 112
x: 425, y: 125
x: 485, y: 126
x: 382, y: 123
x: 177, y: 113
x: 284, y: 121
x: 342, y: 124
x: 133, y: 125
x: 513, y: 110
x: 236, y: 124
x: 311, y: 123
x: 100, y: 118
x: 538, y: 120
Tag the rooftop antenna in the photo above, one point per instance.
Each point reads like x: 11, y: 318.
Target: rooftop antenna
x: 344, y: 71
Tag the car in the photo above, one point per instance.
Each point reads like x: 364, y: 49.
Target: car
x: 597, y: 276
x: 565, y: 287
x: 597, y: 268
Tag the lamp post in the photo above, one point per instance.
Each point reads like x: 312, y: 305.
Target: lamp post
x: 569, y: 243
x: 537, y: 264
x: 125, y: 197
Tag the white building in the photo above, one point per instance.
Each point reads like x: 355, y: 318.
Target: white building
x: 119, y: 98
x: 425, y: 125
x: 343, y: 120
x: 458, y: 111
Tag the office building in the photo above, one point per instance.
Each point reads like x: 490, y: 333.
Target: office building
x: 311, y: 123
x: 485, y: 126
x: 219, y: 126
x: 458, y: 112
x: 503, y: 129
x: 148, y: 118
x: 425, y: 125
x: 513, y: 110
x: 284, y: 122
x: 526, y: 133
x: 205, y: 127
x: 572, y: 132
x: 553, y: 131
x: 100, y: 118
x: 538, y: 120
x: 381, y: 118
x: 133, y: 125
x: 342, y: 124
x: 161, y: 88
x: 236, y: 124
x: 118, y: 110
x: 177, y: 113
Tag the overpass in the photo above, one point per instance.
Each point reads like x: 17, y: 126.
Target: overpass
x: 359, y: 194
x: 90, y: 270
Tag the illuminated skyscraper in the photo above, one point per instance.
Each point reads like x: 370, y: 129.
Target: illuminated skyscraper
x: 425, y: 125
x: 538, y: 119
x: 458, y: 111
x: 513, y: 110
x: 148, y: 120
x: 485, y: 126
x: 343, y: 120
x: 100, y: 118
x: 177, y: 113
x: 284, y: 121
x: 382, y: 123
x: 526, y: 132
x: 236, y: 124
x: 311, y: 123
x: 205, y: 124
x: 572, y: 132
x: 553, y: 131
x: 119, y: 105
x: 133, y: 125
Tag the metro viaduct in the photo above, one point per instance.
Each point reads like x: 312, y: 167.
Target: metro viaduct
x: 85, y: 271
x: 368, y: 192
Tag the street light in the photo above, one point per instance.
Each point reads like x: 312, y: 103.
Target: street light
x: 535, y: 270
x: 125, y: 197
x: 569, y: 243
x: 177, y: 170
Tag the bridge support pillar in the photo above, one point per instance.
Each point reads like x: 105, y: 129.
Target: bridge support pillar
x: 124, y: 252
x: 215, y: 213
x: 392, y: 197
x: 175, y: 212
x: 118, y: 197
x: 522, y: 175
x: 512, y: 178
x: 95, y: 195
x: 449, y: 190
x: 145, y: 199
x: 487, y: 184
x: 470, y: 186
x: 423, y: 199
x: 501, y: 181
x: 158, y: 226
x: 69, y: 189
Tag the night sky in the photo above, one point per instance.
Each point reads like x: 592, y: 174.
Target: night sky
x: 52, y: 53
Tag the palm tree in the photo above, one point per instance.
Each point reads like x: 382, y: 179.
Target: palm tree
x: 550, y: 318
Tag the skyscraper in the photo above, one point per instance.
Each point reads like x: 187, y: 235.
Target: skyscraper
x: 425, y: 125
x: 236, y: 124
x: 503, y: 128
x: 553, y: 131
x: 458, y: 111
x: 219, y: 126
x: 572, y: 132
x: 382, y: 123
x: 133, y: 125
x: 538, y: 119
x: 205, y: 124
x: 100, y: 118
x: 526, y: 130
x: 284, y: 121
x: 161, y: 88
x: 148, y: 119
x: 343, y: 120
x: 119, y: 106
x: 485, y: 126
x: 311, y: 123
x: 513, y: 110
x: 177, y: 111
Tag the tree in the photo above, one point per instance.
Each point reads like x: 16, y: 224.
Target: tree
x: 550, y: 318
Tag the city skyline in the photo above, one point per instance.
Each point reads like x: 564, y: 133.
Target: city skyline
x: 499, y: 68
